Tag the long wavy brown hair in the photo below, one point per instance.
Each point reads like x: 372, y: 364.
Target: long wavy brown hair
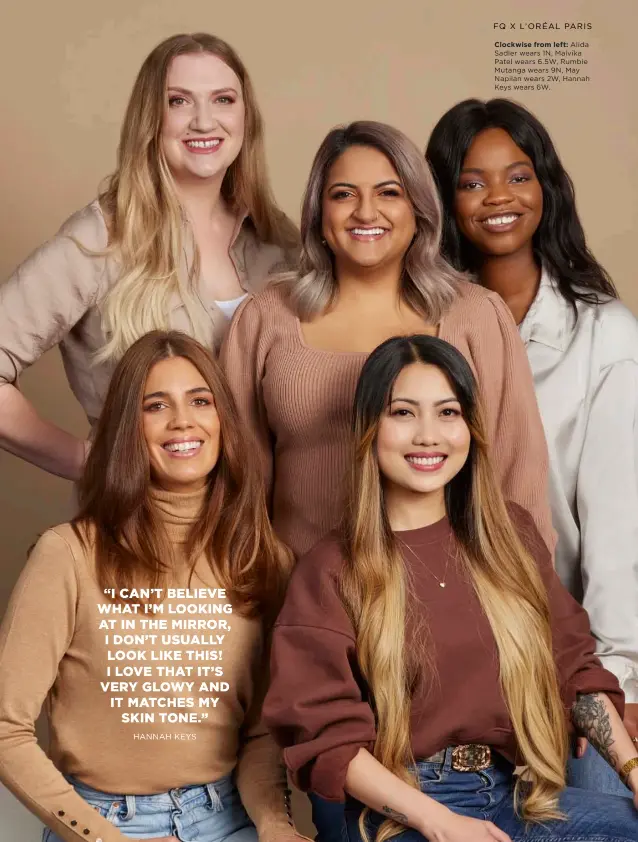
x: 117, y: 514
x: 376, y: 590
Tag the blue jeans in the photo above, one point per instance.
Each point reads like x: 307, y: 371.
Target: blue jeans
x: 329, y: 819
x: 488, y: 795
x: 592, y: 772
x: 209, y: 813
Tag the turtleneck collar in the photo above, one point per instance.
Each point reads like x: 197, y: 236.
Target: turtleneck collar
x: 178, y: 510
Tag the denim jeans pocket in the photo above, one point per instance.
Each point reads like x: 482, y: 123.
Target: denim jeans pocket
x: 219, y: 798
x: 107, y: 809
x: 429, y: 773
x: 465, y: 793
x: 221, y: 815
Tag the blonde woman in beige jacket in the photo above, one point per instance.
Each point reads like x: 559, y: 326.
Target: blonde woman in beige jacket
x: 185, y: 228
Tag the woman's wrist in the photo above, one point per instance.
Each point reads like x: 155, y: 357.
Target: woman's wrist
x: 276, y: 829
x: 432, y: 818
x: 82, y: 452
x: 632, y: 780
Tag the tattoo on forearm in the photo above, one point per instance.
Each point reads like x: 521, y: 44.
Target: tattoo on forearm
x: 393, y: 814
x: 590, y: 717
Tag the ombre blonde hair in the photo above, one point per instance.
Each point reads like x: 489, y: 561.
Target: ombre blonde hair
x: 376, y: 592
x: 429, y: 283
x: 146, y: 222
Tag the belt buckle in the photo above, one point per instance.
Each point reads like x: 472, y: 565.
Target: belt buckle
x: 471, y: 758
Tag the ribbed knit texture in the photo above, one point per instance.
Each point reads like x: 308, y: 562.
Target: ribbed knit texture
x: 298, y: 401
x: 51, y: 638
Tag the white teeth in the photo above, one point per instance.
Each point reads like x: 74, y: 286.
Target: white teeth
x: 425, y: 460
x: 203, y: 144
x: 368, y: 232
x: 501, y: 220
x: 182, y: 446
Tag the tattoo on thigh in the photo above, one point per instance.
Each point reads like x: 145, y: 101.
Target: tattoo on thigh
x: 393, y: 814
x: 590, y: 717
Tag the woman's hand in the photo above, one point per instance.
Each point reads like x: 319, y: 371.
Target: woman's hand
x: 446, y: 826
x: 632, y: 783
x: 581, y: 747
x: 631, y: 724
x: 631, y: 721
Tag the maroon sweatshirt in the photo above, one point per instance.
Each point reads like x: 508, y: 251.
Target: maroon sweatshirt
x: 318, y: 706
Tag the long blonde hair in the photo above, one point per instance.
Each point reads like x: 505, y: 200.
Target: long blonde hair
x: 429, y: 282
x: 145, y: 219
x: 504, y: 575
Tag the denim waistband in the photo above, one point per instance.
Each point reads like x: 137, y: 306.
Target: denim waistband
x: 442, y: 761
x: 214, y: 792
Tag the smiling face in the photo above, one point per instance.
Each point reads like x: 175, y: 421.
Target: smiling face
x: 203, y: 126
x: 423, y: 440
x: 367, y: 220
x: 180, y: 425
x: 499, y: 200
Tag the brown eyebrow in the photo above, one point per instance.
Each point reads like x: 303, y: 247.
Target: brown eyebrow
x: 376, y: 186
x: 196, y: 391
x: 215, y: 92
x: 416, y: 403
x: 508, y: 167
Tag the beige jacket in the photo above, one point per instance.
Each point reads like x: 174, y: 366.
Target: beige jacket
x: 54, y: 298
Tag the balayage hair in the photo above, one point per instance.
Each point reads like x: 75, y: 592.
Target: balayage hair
x: 429, y: 282
x: 117, y: 512
x: 559, y: 242
x: 376, y: 590
x: 147, y: 226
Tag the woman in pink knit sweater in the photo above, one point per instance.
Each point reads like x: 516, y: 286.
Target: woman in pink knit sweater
x: 371, y: 268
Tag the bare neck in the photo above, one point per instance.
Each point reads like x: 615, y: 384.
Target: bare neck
x: 369, y: 288
x: 515, y: 277
x: 202, y: 200
x: 410, y: 510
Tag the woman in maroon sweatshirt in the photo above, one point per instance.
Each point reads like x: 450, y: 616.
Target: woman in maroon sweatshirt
x: 428, y: 648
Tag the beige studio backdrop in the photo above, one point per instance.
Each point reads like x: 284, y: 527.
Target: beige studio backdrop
x: 67, y: 69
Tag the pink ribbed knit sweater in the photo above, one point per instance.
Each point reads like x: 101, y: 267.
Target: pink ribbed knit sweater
x: 298, y: 401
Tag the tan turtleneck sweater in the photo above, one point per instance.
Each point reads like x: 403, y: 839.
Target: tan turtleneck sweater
x: 54, y: 652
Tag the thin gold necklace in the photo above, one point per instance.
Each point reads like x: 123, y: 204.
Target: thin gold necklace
x: 442, y: 582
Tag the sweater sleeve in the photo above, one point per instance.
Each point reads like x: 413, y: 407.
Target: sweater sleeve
x: 36, y: 632
x: 607, y: 503
x: 243, y: 358
x: 261, y: 774
x: 516, y: 435
x: 579, y: 670
x: 317, y: 707
x: 50, y: 292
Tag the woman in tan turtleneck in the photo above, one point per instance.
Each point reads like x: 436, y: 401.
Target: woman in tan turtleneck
x: 140, y: 625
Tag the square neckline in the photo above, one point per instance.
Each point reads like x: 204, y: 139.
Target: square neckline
x: 354, y: 354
